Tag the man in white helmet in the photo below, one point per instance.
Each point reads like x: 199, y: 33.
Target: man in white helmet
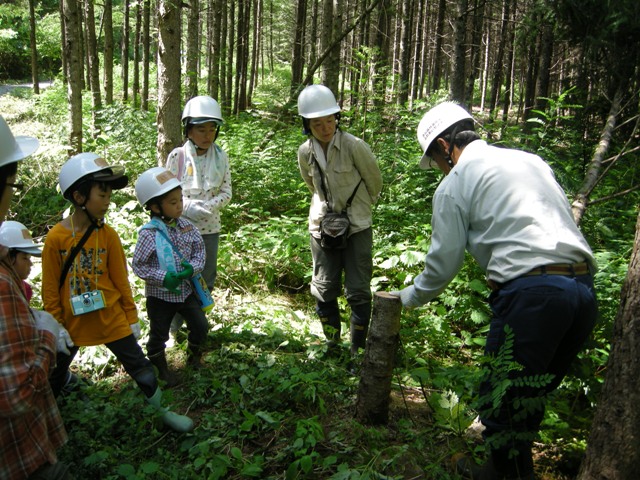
x: 342, y: 175
x: 31, y: 428
x: 506, y: 209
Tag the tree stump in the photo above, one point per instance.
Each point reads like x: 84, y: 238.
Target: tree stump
x: 372, y: 405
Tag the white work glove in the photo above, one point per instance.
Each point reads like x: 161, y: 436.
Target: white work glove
x: 64, y: 341
x: 407, y: 295
x: 45, y: 321
x: 135, y: 328
x: 196, y: 210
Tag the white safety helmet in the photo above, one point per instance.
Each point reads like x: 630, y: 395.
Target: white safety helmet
x: 15, y: 235
x: 90, y: 166
x: 201, y: 109
x: 155, y: 182
x: 436, y: 121
x: 13, y: 149
x: 317, y: 101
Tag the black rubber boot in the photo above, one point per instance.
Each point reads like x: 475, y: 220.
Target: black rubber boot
x: 194, y: 356
x: 164, y: 373
x: 359, y: 326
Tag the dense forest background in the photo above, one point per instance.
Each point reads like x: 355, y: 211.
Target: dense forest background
x: 559, y: 78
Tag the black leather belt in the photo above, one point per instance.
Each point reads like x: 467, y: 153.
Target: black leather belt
x: 564, y: 269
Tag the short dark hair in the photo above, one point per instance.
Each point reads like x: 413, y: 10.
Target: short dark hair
x: 7, y: 171
x: 465, y: 133
x: 84, y: 187
x: 306, y: 130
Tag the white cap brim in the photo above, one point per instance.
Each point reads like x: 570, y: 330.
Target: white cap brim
x: 26, y: 147
x: 426, y: 162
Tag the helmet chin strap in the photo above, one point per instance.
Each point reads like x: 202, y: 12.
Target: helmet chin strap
x: 96, y: 222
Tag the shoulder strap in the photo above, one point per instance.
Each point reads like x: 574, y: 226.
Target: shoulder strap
x: 324, y: 189
x: 74, y: 253
x: 175, y: 249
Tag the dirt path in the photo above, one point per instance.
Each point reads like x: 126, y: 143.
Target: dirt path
x: 6, y: 88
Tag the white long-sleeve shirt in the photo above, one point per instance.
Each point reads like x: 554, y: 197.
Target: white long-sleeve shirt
x: 505, y: 207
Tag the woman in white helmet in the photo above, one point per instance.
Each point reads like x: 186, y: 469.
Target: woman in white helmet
x: 31, y: 430
x: 203, y: 169
x: 506, y: 209
x: 342, y: 175
x: 85, y: 280
x: 169, y: 251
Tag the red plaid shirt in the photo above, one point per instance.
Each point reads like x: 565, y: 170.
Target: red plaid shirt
x: 31, y: 428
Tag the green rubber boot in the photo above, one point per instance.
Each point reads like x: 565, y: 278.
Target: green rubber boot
x: 178, y: 423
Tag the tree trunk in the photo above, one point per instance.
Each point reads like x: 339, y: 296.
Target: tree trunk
x: 380, y: 58
x: 169, y: 112
x: 458, y: 72
x: 406, y: 25
x: 108, y: 52
x: 592, y: 177
x: 75, y: 65
x: 136, y: 53
x: 372, y: 405
x: 439, y: 51
x: 329, y: 73
x: 65, y: 63
x: 193, y: 50
x: 94, y: 63
x: 613, y: 450
x: 34, y: 49
x: 125, y: 52
x: 216, y: 39
x: 146, y: 56
x: 297, y: 62
x: 496, y: 82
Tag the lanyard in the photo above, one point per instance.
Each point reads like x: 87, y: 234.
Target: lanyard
x: 95, y: 254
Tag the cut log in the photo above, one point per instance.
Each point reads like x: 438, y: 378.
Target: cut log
x: 372, y: 405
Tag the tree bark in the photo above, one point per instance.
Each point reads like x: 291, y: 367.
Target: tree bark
x: 146, y: 55
x: 169, y: 112
x: 613, y: 450
x: 34, y: 48
x: 592, y: 177
x: 297, y: 62
x: 193, y: 50
x: 458, y: 72
x: 75, y: 65
x: 372, y: 405
x: 108, y: 52
x: 94, y: 62
x: 125, y: 52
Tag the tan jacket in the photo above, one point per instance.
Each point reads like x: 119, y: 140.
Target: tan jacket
x: 349, y: 159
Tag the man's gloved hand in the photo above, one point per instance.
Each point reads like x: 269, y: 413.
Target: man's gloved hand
x: 136, y: 330
x: 195, y: 210
x: 64, y: 341
x: 188, y: 270
x: 172, y: 282
x: 407, y: 295
x: 45, y: 321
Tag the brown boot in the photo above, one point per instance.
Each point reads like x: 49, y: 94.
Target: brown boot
x: 160, y: 362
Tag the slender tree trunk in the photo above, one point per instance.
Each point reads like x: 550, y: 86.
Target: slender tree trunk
x: 406, y: 23
x: 329, y: 72
x: 498, y: 61
x: 34, y: 49
x: 613, y: 450
x: 380, y: 59
x: 228, y: 95
x: 94, y: 63
x: 544, y: 71
x: 193, y: 50
x: 146, y: 54
x: 439, y: 51
x: 125, y: 53
x: 458, y: 72
x: 169, y: 111
x: 581, y: 200
x: 71, y: 15
x: 297, y: 61
x: 255, y: 42
x: 216, y: 38
x: 108, y: 52
x: 313, y: 38
x: 65, y: 63
x: 475, y: 50
x: 136, y: 53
